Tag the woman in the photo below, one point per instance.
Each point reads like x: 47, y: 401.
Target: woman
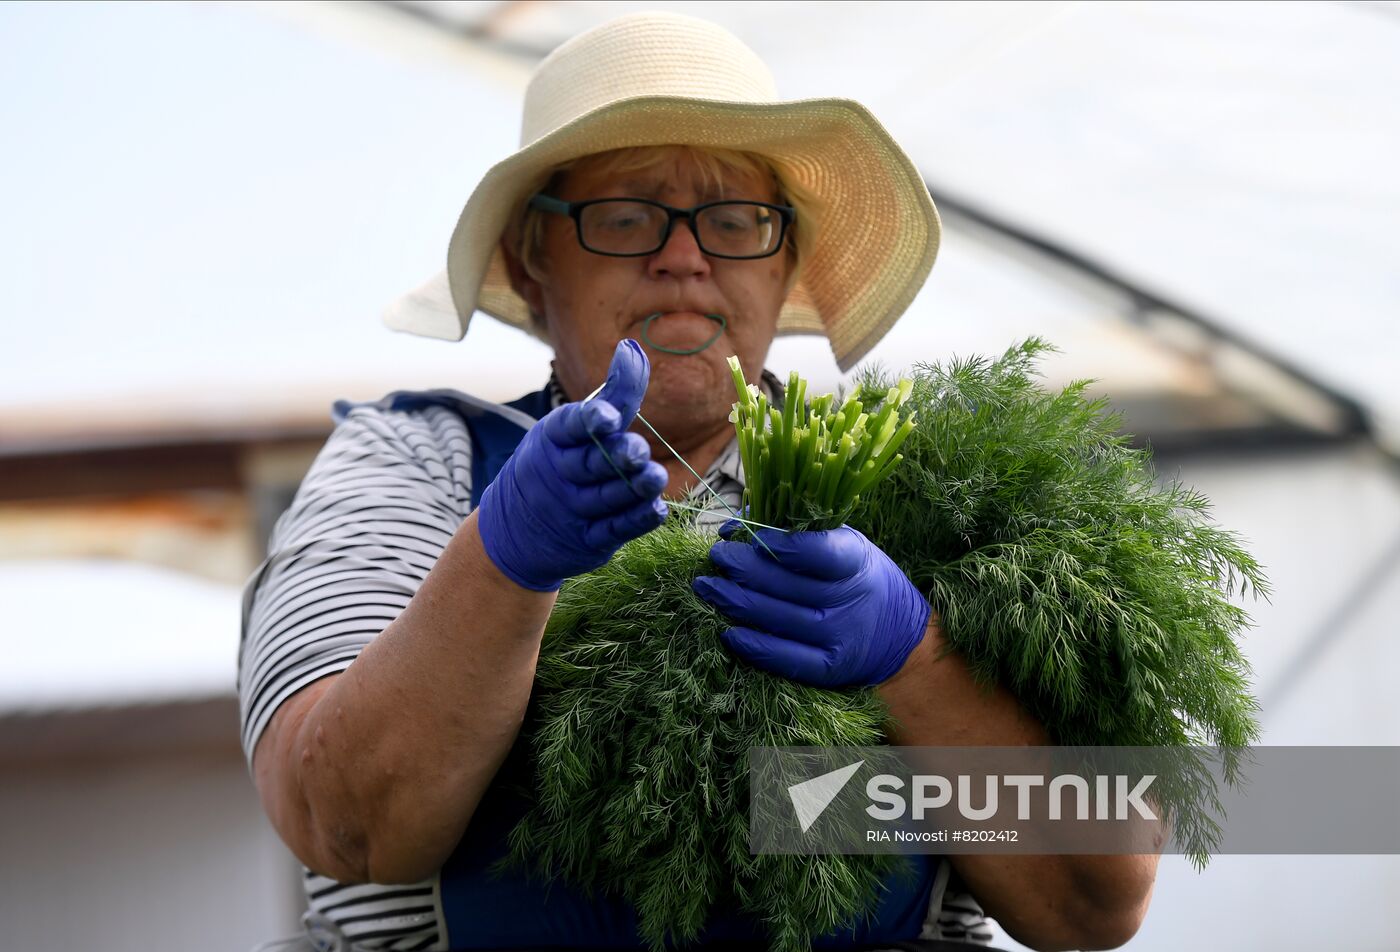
x: 665, y: 212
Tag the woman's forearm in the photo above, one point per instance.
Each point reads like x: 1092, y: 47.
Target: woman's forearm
x: 1045, y: 902
x: 373, y: 774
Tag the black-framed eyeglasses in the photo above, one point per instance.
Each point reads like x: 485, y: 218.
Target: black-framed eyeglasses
x: 631, y: 227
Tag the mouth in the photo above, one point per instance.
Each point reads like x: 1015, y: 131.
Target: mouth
x: 681, y: 332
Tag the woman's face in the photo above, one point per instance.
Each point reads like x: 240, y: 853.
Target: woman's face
x: 591, y: 301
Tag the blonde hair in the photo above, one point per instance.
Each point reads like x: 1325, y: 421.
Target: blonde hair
x: 525, y: 233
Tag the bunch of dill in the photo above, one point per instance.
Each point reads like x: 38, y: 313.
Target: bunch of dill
x: 1057, y: 566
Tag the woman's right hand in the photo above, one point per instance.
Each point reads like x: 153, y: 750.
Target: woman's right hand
x: 558, y: 507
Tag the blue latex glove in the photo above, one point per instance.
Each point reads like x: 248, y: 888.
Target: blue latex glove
x: 832, y: 611
x: 558, y: 507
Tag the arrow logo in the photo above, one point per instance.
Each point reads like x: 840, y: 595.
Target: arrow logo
x: 811, y: 797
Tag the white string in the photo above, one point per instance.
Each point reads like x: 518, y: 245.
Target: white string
x: 733, y: 515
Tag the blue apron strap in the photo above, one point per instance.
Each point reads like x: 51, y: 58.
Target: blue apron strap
x: 496, y: 429
x: 494, y: 439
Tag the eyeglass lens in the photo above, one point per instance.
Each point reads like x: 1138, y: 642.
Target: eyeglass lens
x: 733, y: 229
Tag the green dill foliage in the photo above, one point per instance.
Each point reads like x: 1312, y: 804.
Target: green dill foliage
x: 640, y: 742
x: 1059, y: 567
x: 1056, y: 563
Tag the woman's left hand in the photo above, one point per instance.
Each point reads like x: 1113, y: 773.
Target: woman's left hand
x: 831, y: 611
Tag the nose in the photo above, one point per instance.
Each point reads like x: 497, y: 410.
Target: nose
x: 681, y: 256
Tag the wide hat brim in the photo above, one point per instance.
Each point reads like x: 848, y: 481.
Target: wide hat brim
x: 876, y: 241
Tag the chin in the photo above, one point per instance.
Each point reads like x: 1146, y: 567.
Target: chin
x: 689, y: 388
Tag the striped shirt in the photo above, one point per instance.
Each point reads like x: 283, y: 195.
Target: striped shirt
x: 377, y: 507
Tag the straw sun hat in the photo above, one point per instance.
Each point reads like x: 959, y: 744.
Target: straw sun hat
x: 665, y: 79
